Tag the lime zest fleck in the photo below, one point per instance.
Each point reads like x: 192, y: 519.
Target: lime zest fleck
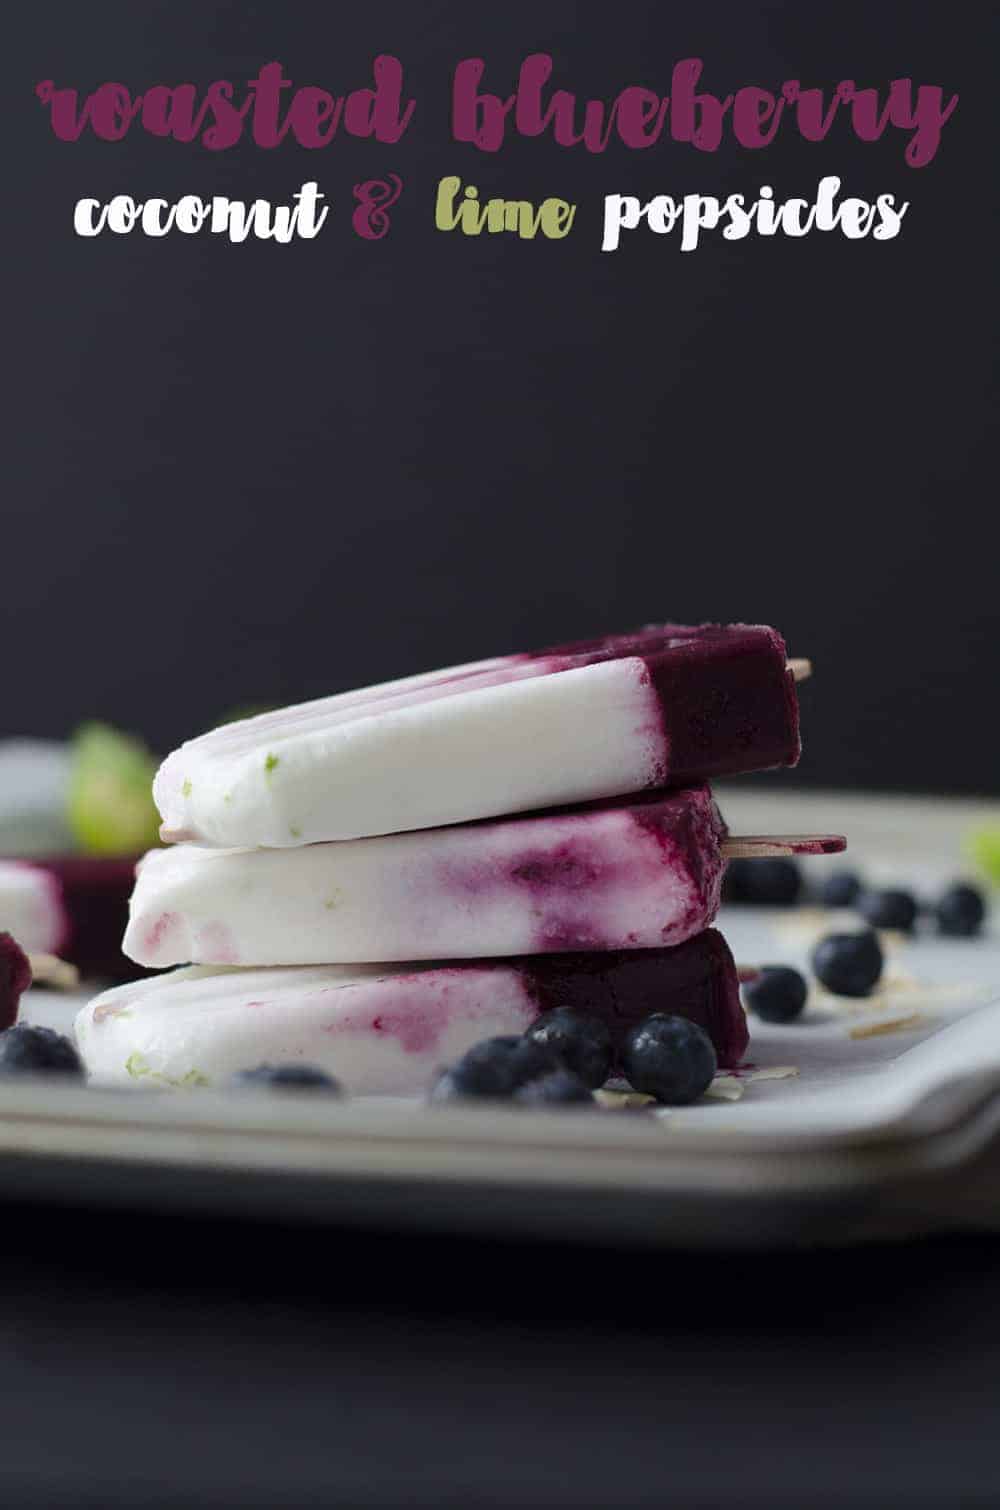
x: 295, y: 831
x: 271, y: 764
x: 186, y: 789
x: 138, y: 1066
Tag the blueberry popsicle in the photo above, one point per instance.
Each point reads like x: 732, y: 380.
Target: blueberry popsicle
x: 382, y: 1031
x: 668, y: 705
x: 636, y: 874
x: 75, y: 906
x: 32, y: 907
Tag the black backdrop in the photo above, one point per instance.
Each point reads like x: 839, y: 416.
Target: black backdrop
x: 260, y: 472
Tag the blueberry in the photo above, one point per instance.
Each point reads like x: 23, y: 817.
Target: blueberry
x: 559, y: 1087
x: 888, y: 909
x: 15, y: 977
x: 580, y: 1041
x: 960, y: 912
x: 848, y: 964
x: 778, y: 993
x: 25, y: 1049
x: 841, y: 889
x: 670, y: 1058
x: 294, y: 1077
x: 773, y: 882
x: 494, y: 1070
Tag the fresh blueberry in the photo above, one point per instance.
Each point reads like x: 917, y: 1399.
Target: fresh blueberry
x: 558, y: 1088
x: 772, y: 882
x: 960, y: 912
x: 670, y: 1058
x: 841, y: 889
x: 294, y: 1077
x: 26, y: 1049
x: 888, y: 909
x: 848, y: 964
x: 580, y: 1041
x: 15, y: 978
x: 777, y: 994
x: 494, y: 1070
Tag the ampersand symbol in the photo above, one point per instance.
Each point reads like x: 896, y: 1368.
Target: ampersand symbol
x: 375, y: 197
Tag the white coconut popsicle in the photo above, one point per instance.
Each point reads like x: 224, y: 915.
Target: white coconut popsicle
x: 636, y: 874
x: 383, y: 1031
x: 672, y: 704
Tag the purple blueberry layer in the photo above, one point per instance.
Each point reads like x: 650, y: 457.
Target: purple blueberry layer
x: 687, y: 823
x: 696, y: 980
x: 728, y: 703
x: 95, y: 893
x: 575, y: 884
x: 726, y: 699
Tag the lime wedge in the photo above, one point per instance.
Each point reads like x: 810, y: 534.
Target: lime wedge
x: 984, y: 848
x: 110, y: 802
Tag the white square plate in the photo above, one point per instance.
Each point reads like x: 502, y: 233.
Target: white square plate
x: 862, y: 1120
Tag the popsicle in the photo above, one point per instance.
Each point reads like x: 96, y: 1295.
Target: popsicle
x: 75, y: 906
x: 384, y: 1031
x: 670, y: 704
x: 640, y: 873
x: 32, y: 907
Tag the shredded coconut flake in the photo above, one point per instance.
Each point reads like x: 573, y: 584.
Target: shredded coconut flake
x: 886, y: 1025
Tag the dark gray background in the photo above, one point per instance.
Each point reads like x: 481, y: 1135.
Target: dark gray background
x: 151, y: 1363
x: 260, y: 472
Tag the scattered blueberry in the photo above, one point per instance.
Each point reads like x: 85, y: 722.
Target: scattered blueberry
x: 841, y: 889
x: 777, y: 994
x: 558, y: 1088
x: 295, y: 1077
x: 960, y: 912
x: 580, y: 1041
x: 772, y: 882
x: 25, y: 1049
x: 15, y: 978
x: 670, y: 1058
x: 888, y: 909
x: 494, y: 1070
x: 848, y: 964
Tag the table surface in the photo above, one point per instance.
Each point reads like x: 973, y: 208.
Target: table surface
x: 152, y: 1360
x: 155, y: 1362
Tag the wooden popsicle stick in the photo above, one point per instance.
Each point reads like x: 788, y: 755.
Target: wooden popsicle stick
x: 801, y: 669
x: 48, y: 970
x: 763, y: 846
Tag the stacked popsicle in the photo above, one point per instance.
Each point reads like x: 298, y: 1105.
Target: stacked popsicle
x: 375, y: 881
